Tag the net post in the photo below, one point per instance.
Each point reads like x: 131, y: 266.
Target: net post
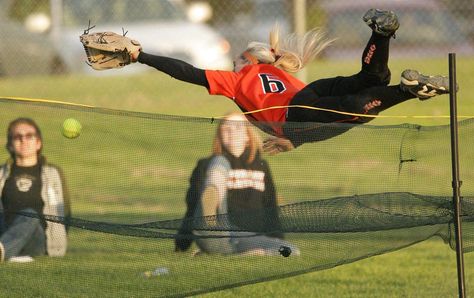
x: 456, y: 183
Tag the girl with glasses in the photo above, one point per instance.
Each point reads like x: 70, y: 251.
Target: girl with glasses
x: 30, y: 188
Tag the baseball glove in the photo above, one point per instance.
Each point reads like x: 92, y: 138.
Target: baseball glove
x: 106, y: 50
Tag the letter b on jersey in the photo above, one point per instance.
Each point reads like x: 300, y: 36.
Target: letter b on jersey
x: 271, y: 84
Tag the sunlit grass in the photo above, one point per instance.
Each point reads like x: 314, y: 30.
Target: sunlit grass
x: 110, y: 266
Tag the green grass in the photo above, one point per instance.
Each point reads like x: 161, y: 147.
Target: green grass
x: 106, y: 265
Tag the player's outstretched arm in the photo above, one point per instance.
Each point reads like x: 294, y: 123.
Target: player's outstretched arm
x: 178, y: 69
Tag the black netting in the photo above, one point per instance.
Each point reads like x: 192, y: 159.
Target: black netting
x: 371, y: 190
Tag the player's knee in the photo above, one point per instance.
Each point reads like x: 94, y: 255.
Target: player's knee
x: 377, y: 78
x: 219, y: 162
x: 385, y: 77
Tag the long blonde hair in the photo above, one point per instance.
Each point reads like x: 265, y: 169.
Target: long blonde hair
x: 292, y: 52
x: 254, y: 144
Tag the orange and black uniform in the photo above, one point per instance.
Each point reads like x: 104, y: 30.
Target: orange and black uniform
x: 263, y: 86
x: 257, y: 87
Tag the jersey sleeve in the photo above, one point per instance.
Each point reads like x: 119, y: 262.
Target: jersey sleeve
x: 222, y: 82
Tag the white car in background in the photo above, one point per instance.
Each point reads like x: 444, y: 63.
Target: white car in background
x: 161, y: 27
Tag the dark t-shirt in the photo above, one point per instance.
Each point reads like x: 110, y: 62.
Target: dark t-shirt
x: 251, y: 200
x: 22, y: 190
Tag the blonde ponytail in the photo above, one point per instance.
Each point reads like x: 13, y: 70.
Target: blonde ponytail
x: 293, y: 52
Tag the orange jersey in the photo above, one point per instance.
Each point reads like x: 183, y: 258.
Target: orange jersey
x: 256, y: 87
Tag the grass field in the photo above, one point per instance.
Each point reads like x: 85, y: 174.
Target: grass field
x: 105, y: 265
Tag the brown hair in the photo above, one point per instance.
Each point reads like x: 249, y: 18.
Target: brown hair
x: 12, y: 127
x: 254, y: 144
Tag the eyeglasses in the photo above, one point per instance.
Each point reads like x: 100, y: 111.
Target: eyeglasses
x: 28, y: 136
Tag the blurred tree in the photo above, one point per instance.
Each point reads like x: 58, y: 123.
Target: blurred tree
x: 463, y: 11
x: 20, y: 9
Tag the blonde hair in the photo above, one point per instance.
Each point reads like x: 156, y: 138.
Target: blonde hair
x: 292, y: 52
x: 254, y: 144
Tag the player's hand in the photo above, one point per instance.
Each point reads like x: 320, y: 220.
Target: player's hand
x: 134, y: 55
x: 274, y: 145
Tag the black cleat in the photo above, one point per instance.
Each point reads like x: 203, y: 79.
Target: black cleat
x: 424, y: 87
x: 383, y: 22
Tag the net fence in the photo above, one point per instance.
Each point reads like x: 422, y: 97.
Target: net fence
x: 49, y: 29
x: 369, y: 191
